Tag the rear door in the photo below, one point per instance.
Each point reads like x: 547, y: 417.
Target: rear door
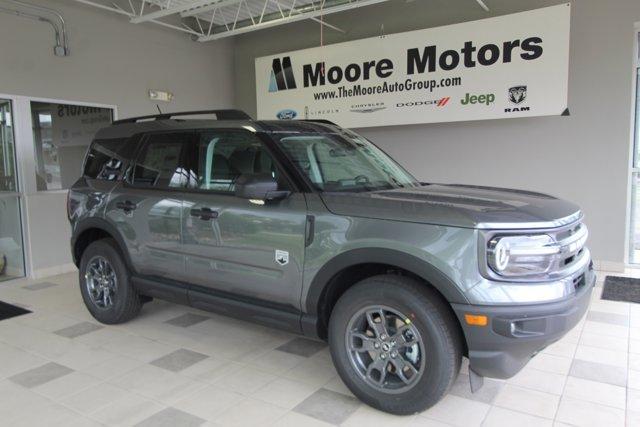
x: 147, y: 207
x: 237, y: 246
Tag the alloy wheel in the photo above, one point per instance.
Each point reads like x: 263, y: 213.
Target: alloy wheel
x: 101, y: 282
x: 385, y: 348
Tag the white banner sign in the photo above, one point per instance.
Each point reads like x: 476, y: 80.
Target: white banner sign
x: 509, y: 66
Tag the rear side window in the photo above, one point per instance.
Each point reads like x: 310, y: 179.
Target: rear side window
x: 104, y: 160
x: 160, y: 162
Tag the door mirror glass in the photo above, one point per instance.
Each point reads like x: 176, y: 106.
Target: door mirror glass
x: 258, y: 187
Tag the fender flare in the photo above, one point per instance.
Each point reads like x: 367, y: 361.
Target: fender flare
x: 398, y: 259
x: 105, y: 226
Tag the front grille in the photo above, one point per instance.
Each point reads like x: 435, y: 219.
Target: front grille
x: 579, y: 282
x: 572, y: 240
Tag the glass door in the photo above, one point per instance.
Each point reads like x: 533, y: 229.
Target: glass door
x: 634, y: 223
x: 11, y: 246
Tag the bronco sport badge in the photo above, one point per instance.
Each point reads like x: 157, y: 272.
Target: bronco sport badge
x: 282, y: 257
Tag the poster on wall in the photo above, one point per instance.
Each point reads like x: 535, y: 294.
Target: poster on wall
x: 509, y: 66
x: 76, y: 125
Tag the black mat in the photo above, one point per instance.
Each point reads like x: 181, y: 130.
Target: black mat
x: 625, y: 289
x: 8, y: 311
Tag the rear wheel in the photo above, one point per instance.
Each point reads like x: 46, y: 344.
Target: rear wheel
x: 395, y: 344
x: 105, y: 285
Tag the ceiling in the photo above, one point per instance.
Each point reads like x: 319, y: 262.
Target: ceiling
x: 209, y: 20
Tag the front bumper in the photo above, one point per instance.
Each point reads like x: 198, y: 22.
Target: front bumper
x: 514, y: 334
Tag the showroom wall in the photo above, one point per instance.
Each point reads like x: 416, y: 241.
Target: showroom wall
x: 583, y: 158
x: 111, y: 62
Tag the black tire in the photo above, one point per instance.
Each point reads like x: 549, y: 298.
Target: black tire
x: 435, y: 323
x: 126, y: 301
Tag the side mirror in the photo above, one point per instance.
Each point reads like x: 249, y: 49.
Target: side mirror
x: 258, y: 187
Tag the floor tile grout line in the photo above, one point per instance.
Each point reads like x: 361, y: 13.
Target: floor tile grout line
x: 566, y: 378
x: 528, y: 413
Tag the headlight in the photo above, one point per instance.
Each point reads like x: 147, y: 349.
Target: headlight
x: 522, y: 256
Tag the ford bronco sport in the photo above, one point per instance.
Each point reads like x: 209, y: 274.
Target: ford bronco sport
x: 308, y: 227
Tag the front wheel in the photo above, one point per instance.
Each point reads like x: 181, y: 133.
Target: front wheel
x: 395, y: 344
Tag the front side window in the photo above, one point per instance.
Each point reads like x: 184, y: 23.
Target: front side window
x: 160, y: 161
x: 62, y: 133
x: 343, y: 162
x: 221, y: 157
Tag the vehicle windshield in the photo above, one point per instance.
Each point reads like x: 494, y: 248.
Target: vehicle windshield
x: 343, y: 162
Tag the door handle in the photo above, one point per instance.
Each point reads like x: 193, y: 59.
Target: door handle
x: 204, y: 214
x: 126, y: 206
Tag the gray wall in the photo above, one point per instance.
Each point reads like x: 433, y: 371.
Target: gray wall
x: 583, y: 158
x: 111, y: 62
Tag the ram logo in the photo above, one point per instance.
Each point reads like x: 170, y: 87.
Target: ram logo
x: 517, y: 94
x: 281, y: 77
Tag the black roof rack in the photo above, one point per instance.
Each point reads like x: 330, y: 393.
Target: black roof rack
x: 220, y: 115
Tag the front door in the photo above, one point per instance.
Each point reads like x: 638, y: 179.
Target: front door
x: 147, y: 209
x: 237, y: 246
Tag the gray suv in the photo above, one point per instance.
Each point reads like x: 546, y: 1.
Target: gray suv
x: 308, y: 227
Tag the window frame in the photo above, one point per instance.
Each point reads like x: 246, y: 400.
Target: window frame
x: 32, y: 180
x: 296, y: 181
x: 633, y: 167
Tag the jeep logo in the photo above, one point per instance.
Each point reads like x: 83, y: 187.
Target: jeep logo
x: 478, y: 99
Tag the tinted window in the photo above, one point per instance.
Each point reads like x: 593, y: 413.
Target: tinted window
x: 222, y: 156
x: 159, y: 163
x: 104, y: 160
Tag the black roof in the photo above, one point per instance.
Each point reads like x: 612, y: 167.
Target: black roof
x: 225, y: 119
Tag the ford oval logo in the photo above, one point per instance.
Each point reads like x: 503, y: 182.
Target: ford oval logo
x: 287, y: 114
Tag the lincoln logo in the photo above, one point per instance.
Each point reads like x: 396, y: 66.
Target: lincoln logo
x: 281, y: 77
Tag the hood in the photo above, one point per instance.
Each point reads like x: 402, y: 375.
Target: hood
x: 458, y: 206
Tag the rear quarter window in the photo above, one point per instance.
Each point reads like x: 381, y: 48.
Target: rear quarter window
x: 104, y: 160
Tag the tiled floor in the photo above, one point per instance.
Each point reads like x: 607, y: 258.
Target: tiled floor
x: 176, y: 366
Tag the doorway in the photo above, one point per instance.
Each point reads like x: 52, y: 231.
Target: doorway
x: 11, y: 244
